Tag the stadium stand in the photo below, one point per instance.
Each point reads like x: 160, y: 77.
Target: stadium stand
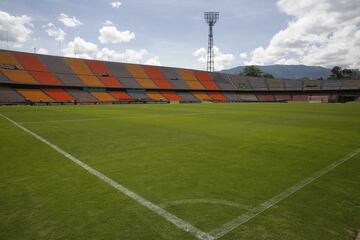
x: 295, y: 85
x: 37, y: 69
x: 248, y: 97
x: 103, y: 96
x: 121, y: 96
x: 3, y: 78
x: 351, y: 84
x: 282, y: 97
x: 120, y: 72
x: 332, y: 85
x: 202, y: 96
x: 175, y: 80
x: 265, y: 97
x: 155, y: 74
x: 59, y: 95
x: 138, y: 95
x: 103, y: 73
x: 154, y: 95
x: 12, y: 69
x: 190, y: 79
x: 275, y: 84
x: 217, y: 96
x: 140, y: 76
x: 8, y: 95
x: 187, y: 97
x: 61, y: 70
x: 232, y: 97
x: 206, y: 80
x: 222, y: 81
x: 30, y: 78
x: 300, y: 97
x: 239, y: 82
x: 34, y: 95
x: 257, y: 83
x: 82, y: 96
x: 83, y: 72
x: 171, y: 95
x: 311, y: 85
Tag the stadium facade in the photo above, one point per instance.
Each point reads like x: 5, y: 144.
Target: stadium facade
x: 27, y: 78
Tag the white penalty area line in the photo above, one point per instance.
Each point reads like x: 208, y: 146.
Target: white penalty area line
x: 228, y: 227
x: 181, y: 224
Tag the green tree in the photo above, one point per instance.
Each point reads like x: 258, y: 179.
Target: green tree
x: 251, y: 71
x: 347, y: 73
x: 268, y: 75
x: 336, y: 72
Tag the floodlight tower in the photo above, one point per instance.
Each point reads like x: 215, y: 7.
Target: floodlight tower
x: 211, y: 18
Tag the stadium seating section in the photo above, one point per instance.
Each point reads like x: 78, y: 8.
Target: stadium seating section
x: 36, y: 78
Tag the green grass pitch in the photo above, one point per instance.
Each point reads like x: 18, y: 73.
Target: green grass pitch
x: 204, y: 163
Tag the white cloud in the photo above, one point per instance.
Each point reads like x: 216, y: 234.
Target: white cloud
x: 69, y: 21
x: 14, y: 29
x: 129, y: 55
x: 243, y: 55
x: 115, y: 4
x: 81, y: 48
x: 221, y: 60
x: 153, y: 61
x: 57, y: 33
x: 110, y: 34
x: 42, y: 51
x: 323, y: 32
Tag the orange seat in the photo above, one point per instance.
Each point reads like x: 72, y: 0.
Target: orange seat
x: 140, y: 76
x: 190, y: 79
x: 84, y: 73
x: 155, y: 74
x: 155, y: 95
x: 217, y: 96
x: 35, y: 95
x: 19, y: 75
x: 59, y: 94
x: 37, y: 69
x: 121, y: 95
x: 171, y: 96
x: 206, y: 80
x: 202, y: 96
x: 99, y: 68
x: 103, y: 96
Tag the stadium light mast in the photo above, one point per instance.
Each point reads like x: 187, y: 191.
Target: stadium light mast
x: 211, y: 18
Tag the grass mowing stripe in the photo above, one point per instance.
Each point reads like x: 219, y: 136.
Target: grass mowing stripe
x: 185, y: 226
x: 228, y: 227
x: 112, y: 118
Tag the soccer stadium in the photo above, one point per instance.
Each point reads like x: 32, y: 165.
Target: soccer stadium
x: 102, y: 149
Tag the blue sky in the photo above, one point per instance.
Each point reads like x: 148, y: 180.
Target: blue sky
x: 173, y: 32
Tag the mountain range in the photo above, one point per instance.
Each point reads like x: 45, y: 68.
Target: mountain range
x: 288, y: 71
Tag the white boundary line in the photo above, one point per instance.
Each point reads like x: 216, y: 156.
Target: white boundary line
x: 183, y: 225
x: 228, y: 227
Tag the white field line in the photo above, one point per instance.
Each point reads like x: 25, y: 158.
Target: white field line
x: 110, y: 118
x: 183, y: 225
x: 228, y: 227
x: 358, y: 236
